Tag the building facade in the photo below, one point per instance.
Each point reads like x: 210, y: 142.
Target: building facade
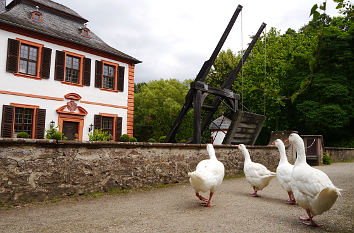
x: 55, y: 71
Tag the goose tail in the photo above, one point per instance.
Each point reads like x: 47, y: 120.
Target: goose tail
x: 326, y: 198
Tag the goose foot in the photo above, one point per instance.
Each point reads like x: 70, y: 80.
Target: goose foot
x: 208, y: 203
x: 291, y: 202
x: 201, y: 197
x: 308, y: 220
x: 254, y: 194
x: 312, y: 223
x: 305, y: 218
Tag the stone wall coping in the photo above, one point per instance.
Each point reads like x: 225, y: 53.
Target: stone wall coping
x: 88, y: 144
x: 338, y: 148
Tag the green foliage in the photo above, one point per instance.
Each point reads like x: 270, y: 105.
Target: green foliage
x: 23, y: 135
x: 162, y: 139
x: 152, y: 140
x: 156, y: 107
x: 127, y: 138
x: 326, y: 159
x: 99, y: 135
x: 54, y: 133
x: 308, y: 84
x: 124, y: 138
x: 138, y: 87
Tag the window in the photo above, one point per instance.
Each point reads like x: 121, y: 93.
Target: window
x: 23, y: 120
x: 107, y: 125
x: 28, y: 59
x: 85, y: 32
x: 37, y: 16
x: 72, y: 73
x: 72, y: 68
x: 110, y: 123
x: 108, y: 76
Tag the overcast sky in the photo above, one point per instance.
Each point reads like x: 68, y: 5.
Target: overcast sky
x: 173, y: 38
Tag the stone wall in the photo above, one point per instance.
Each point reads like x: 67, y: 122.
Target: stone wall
x: 37, y: 170
x: 340, y: 154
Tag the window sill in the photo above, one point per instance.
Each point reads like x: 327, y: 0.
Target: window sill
x: 72, y: 84
x: 27, y: 76
x: 110, y: 90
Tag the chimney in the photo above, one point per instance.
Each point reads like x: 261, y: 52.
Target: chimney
x: 2, y: 6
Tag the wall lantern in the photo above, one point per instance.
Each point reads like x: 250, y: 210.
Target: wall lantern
x: 91, y: 127
x: 52, y: 124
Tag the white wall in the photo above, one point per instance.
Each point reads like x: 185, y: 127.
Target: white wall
x: 52, y: 88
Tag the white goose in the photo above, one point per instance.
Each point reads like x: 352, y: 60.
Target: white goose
x: 256, y: 174
x: 312, y: 188
x: 208, y: 176
x: 284, y: 171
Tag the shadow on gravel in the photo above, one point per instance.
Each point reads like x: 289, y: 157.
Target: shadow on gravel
x: 277, y: 201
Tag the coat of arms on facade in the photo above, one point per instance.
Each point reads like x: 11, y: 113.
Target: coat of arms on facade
x: 72, y: 106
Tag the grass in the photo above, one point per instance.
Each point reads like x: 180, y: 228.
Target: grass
x: 119, y: 191
x: 56, y: 199
x: 345, y: 161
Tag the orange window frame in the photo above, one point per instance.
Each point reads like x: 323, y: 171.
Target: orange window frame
x: 40, y: 16
x: 104, y: 62
x: 114, y: 123
x: 87, y: 31
x: 72, y: 118
x: 30, y: 43
x: 34, y: 107
x: 81, y: 57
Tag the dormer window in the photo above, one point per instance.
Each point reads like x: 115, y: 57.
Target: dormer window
x: 85, y: 32
x: 37, y: 16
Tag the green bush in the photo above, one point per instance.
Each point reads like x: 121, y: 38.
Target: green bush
x: 23, y: 135
x: 151, y: 140
x: 326, y: 159
x: 133, y: 139
x: 99, y: 135
x: 162, y: 139
x: 54, y: 133
x: 124, y: 138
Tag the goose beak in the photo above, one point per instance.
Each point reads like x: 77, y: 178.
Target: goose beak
x: 273, y: 143
x: 286, y: 140
x: 236, y: 146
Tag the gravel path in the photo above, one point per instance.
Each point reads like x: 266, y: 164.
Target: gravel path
x: 176, y: 209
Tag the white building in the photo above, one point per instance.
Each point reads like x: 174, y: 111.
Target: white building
x: 54, y: 70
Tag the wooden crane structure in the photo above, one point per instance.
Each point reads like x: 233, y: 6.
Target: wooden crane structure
x: 245, y: 126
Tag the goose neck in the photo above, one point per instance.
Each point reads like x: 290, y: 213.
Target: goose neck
x: 283, y: 157
x: 300, y: 150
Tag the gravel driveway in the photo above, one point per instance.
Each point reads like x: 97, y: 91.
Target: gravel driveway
x: 176, y: 209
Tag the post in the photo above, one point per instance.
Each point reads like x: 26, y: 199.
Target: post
x: 197, y: 105
x: 201, y: 77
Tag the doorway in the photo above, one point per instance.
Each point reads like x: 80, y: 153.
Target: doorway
x: 71, y: 129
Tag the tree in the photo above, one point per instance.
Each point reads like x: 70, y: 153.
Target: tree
x: 308, y: 84
x: 156, y: 108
